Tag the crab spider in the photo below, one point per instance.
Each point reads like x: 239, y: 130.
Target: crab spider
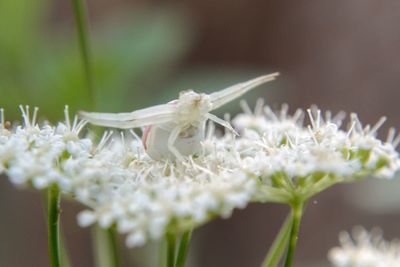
x: 176, y: 129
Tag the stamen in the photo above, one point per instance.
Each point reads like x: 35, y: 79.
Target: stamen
x: 289, y: 140
x: 270, y: 114
x: 328, y: 116
x: 172, y: 169
x: 79, y: 126
x: 66, y: 115
x: 366, y: 129
x: 227, y: 117
x: 358, y: 125
x: 215, y: 150
x: 28, y: 115
x: 104, y: 139
x: 74, y: 122
x: 200, y: 167
x: 34, y: 116
x: 312, y: 134
x: 166, y: 165
x: 339, y: 117
x: 377, y: 125
x: 390, y: 135
x: 139, y: 154
x: 123, y: 140
x: 26, y: 121
x: 264, y: 144
x: 318, y: 118
x: 351, y: 129
x: 396, y: 141
x: 310, y: 115
x: 284, y: 111
x: 344, y: 238
x: 298, y: 116
x: 147, y: 172
x: 132, y: 132
x: 245, y: 107
x: 259, y: 107
x: 2, y: 118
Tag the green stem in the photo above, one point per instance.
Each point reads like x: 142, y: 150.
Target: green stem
x: 183, y: 249
x: 65, y: 262
x: 106, y: 247
x: 297, y: 213
x: 112, y: 237
x: 279, y: 245
x: 171, y: 248
x: 161, y: 249
x: 53, y: 215
x: 82, y: 28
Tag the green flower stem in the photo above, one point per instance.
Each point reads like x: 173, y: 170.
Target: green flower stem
x: 105, y: 247
x: 183, y: 249
x: 82, y: 29
x: 279, y: 245
x: 297, y: 213
x: 65, y: 262
x: 171, y: 249
x: 53, y: 215
x: 161, y: 250
x: 112, y: 237
x: 313, y: 188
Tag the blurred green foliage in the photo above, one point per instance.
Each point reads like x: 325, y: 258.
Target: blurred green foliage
x: 133, y: 52
x: 136, y: 55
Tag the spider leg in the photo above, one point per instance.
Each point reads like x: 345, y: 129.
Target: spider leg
x: 139, y: 118
x: 226, y: 95
x: 221, y: 122
x: 171, y: 143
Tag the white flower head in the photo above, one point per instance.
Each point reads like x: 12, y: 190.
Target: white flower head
x: 365, y: 249
x: 146, y: 198
x: 275, y: 158
x: 34, y: 154
x: 288, y: 155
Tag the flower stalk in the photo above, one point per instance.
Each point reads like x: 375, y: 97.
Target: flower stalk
x: 171, y: 249
x: 82, y: 29
x: 296, y: 215
x: 183, y: 249
x: 105, y: 247
x: 279, y: 244
x: 53, y: 214
x: 114, y: 251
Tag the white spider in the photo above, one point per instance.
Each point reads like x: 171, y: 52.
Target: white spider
x: 176, y: 129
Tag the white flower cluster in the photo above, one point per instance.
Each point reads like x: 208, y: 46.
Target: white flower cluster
x: 365, y: 250
x: 161, y: 196
x: 35, y: 155
x: 287, y: 155
x: 121, y: 185
x: 274, y: 159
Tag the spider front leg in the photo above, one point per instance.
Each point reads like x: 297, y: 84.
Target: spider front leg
x: 171, y: 143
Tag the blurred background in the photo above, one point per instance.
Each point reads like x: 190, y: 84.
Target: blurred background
x: 340, y: 55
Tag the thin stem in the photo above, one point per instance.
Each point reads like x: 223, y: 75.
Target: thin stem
x: 65, y: 262
x: 171, y: 248
x: 53, y: 212
x: 183, y: 249
x: 82, y: 29
x: 279, y: 245
x: 161, y: 249
x: 297, y: 212
x: 106, y: 247
x: 112, y: 237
